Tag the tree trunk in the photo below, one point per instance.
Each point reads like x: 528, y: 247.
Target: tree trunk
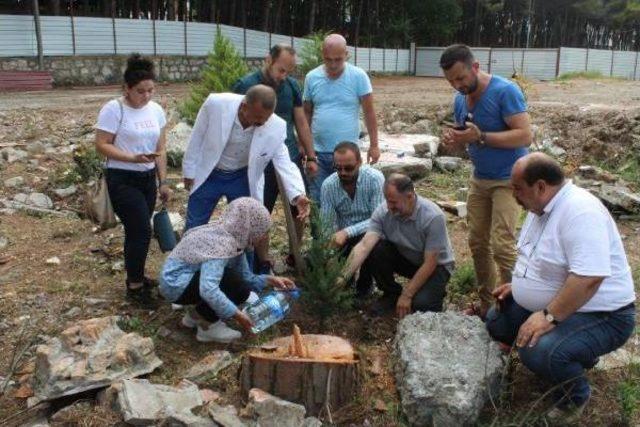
x: 266, y: 15
x: 55, y: 7
x: 276, y: 22
x: 325, y: 375
x: 312, y: 15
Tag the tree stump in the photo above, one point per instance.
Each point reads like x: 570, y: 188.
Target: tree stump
x: 317, y: 371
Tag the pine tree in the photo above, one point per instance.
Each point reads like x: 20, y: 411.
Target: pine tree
x: 224, y: 67
x: 323, y: 293
x: 311, y: 52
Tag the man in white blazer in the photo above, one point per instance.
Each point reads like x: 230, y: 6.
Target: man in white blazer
x: 233, y: 140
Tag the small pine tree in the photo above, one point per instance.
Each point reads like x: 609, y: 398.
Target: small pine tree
x: 224, y: 67
x: 311, y: 52
x: 323, y: 295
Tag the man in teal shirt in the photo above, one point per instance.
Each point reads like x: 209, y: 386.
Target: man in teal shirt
x: 279, y: 63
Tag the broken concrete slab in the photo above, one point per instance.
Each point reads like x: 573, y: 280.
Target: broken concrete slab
x: 459, y: 209
x: 144, y: 403
x: 446, y: 367
x: 207, y: 368
x: 91, y: 354
x: 225, y: 416
x: 273, y: 411
x: 414, y: 167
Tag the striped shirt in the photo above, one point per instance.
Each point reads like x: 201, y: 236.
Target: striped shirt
x: 352, y: 215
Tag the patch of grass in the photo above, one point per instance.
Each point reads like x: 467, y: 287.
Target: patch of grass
x: 88, y: 162
x: 463, y: 282
x: 581, y: 75
x: 138, y: 325
x: 629, y: 392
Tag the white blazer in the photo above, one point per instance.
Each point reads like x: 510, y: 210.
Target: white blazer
x: 211, y: 133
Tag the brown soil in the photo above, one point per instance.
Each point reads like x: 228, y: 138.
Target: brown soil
x: 592, y: 120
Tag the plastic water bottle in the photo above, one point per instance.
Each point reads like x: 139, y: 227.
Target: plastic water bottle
x: 270, y: 309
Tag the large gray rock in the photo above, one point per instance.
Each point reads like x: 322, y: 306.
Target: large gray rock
x: 15, y: 182
x: 36, y: 200
x: 225, y: 416
x: 273, y: 411
x: 178, y: 138
x: 446, y: 366
x: 617, y: 197
x: 207, y: 368
x: 65, y: 192
x: 414, y: 167
x: 428, y: 147
x: 143, y: 403
x: 447, y: 163
x: 36, y: 147
x: 12, y: 155
x: 91, y: 354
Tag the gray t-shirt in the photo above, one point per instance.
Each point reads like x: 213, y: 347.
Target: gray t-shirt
x: 425, y: 230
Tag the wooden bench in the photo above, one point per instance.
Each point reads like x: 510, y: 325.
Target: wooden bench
x: 25, y: 80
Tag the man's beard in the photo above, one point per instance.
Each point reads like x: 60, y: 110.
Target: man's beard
x: 348, y: 180
x: 470, y: 89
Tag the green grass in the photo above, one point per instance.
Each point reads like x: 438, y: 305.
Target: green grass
x: 582, y: 75
x: 629, y: 392
x: 463, y: 282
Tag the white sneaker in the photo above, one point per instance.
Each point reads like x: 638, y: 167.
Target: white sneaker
x: 218, y: 332
x: 189, y: 321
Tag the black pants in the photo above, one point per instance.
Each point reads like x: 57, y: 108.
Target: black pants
x: 385, y: 260
x: 231, y: 284
x: 365, y: 280
x: 133, y: 197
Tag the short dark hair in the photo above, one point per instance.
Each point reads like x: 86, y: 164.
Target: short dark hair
x: 277, y: 49
x: 138, y: 69
x: 401, y: 182
x: 456, y: 53
x: 262, y: 94
x: 348, y: 146
x: 542, y: 168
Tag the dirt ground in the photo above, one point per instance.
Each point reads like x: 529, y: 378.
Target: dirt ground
x: 593, y: 120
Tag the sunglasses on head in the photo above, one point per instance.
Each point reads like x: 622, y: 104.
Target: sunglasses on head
x: 347, y: 168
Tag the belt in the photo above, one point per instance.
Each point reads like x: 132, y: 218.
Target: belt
x: 630, y: 305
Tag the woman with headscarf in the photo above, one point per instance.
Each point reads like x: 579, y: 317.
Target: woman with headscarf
x: 209, y: 269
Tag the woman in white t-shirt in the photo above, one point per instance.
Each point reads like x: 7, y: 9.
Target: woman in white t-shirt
x: 131, y: 133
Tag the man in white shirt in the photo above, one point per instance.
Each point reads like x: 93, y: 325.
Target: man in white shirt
x: 233, y: 139
x: 571, y: 298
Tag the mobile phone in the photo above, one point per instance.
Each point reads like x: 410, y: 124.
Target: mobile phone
x: 460, y: 127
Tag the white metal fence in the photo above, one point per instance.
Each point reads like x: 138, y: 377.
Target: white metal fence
x: 543, y: 64
x: 64, y: 36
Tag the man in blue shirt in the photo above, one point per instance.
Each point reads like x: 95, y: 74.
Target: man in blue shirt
x: 279, y: 63
x: 349, y: 197
x: 333, y: 93
x: 492, y: 122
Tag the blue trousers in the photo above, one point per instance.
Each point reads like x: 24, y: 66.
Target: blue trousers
x: 203, y: 201
x: 325, y: 168
x: 562, y: 355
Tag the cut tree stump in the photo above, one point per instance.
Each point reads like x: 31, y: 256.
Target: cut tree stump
x: 323, y: 382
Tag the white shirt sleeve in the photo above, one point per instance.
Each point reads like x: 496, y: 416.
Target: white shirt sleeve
x: 162, y: 118
x: 585, y: 242
x: 109, y: 117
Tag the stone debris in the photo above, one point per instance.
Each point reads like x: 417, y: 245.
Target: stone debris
x: 91, y: 354
x: 225, y: 416
x: 272, y: 411
x: 459, y: 209
x: 446, y: 366
x: 414, y: 167
x: 15, y: 182
x: 65, y: 192
x: 207, y: 368
x: 448, y: 164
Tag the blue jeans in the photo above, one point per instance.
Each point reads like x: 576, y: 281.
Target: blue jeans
x: 203, y: 201
x: 562, y: 355
x: 325, y: 168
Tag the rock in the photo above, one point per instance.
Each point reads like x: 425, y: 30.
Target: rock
x: 620, y: 358
x: 53, y: 261
x: 15, y: 182
x: 185, y: 419
x: 462, y: 194
x: 65, y: 415
x: 39, y: 422
x: 73, y: 312
x: 311, y: 422
x: 448, y: 164
x: 421, y: 126
x: 95, y: 301
x: 398, y: 127
x: 91, y: 354
x: 178, y: 138
x: 595, y: 173
x: 4, y: 242
x: 549, y: 146
x: 117, y: 266
x: 414, y: 167
x: 12, y: 155
x: 427, y: 148
x: 209, y: 395
x: 144, y: 403
x: 225, y: 416
x: 273, y: 411
x: 65, y: 192
x: 446, y: 365
x: 207, y: 368
x: 37, y: 200
x: 108, y: 397
x: 36, y: 147
x: 459, y: 209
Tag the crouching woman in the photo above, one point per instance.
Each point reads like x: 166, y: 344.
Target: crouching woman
x: 208, y: 269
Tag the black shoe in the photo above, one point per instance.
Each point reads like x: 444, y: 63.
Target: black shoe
x: 383, y: 305
x: 142, y: 297
x: 148, y: 282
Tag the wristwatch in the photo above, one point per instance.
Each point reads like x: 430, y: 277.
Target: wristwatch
x: 310, y: 159
x: 549, y: 317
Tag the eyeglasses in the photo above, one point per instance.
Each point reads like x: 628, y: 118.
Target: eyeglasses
x: 347, y: 168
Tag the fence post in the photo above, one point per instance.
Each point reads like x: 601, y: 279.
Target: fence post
x: 558, y: 63
x: 490, y: 57
x: 185, y: 17
x: 36, y: 19
x: 586, y: 61
x: 397, y: 57
x: 612, y: 59
x: 384, y: 59
x: 522, y: 61
x: 244, y: 42
x: 113, y: 25
x: 269, y: 47
x: 73, y: 30
x: 154, y: 12
x: 635, y: 67
x: 413, y: 54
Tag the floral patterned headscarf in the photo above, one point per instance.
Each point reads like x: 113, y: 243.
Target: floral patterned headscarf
x: 243, y: 222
